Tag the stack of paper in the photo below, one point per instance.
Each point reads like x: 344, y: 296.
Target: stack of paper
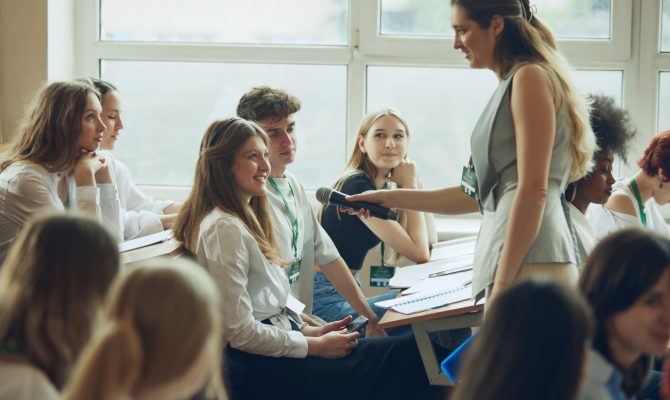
x: 427, y: 300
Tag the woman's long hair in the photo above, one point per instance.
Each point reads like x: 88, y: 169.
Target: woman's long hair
x: 620, y: 269
x: 52, y: 286
x: 49, y: 131
x: 162, y: 318
x: 214, y: 186
x: 532, y: 345
x: 525, y: 39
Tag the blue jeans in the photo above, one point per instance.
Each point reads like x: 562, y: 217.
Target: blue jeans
x: 330, y: 306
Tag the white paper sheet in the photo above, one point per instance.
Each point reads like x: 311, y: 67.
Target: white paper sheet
x: 145, y: 241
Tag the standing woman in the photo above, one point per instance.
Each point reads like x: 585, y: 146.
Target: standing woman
x: 142, y: 215
x: 531, y: 140
x: 379, y: 157
x: 54, y: 163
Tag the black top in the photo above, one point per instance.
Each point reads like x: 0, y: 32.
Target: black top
x: 351, y: 237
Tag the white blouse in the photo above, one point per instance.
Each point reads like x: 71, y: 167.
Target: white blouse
x: 314, y: 244
x: 585, y: 234
x: 252, y: 289
x: 141, y: 213
x: 28, y: 188
x: 21, y: 381
x: 605, y: 221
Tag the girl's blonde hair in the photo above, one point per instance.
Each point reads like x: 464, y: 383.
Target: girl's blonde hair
x: 359, y: 162
x: 525, y: 39
x: 214, y: 186
x: 52, y: 286
x: 162, y: 317
x: 49, y: 132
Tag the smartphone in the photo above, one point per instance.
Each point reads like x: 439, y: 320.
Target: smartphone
x: 358, y: 325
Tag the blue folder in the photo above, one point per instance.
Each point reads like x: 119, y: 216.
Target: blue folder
x: 452, y: 365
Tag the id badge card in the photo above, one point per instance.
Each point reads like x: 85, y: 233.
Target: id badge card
x: 293, y: 271
x: 380, y: 275
x: 469, y: 181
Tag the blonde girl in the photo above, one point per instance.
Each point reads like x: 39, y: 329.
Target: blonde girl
x: 378, y: 158
x: 160, y: 338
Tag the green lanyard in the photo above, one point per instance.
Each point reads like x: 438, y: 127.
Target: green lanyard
x: 383, y: 264
x: 292, y: 224
x: 636, y: 192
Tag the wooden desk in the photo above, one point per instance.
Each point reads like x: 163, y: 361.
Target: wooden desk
x: 168, y: 248
x: 463, y: 314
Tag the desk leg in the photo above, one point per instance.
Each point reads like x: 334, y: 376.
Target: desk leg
x: 421, y: 334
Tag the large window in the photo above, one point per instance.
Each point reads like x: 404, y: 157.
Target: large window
x: 182, y: 64
x: 665, y: 26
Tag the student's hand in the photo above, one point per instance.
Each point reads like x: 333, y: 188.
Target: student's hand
x: 374, y: 330
x: 306, y: 318
x: 404, y: 175
x: 336, y: 325
x: 86, y: 167
x: 103, y: 175
x: 168, y: 220
x: 336, y: 344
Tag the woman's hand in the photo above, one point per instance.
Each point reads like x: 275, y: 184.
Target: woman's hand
x: 405, y: 175
x: 374, y: 330
x: 86, y: 168
x: 335, y: 344
x: 381, y: 197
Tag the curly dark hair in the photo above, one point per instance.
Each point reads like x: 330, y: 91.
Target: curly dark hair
x: 611, y: 124
x: 263, y: 102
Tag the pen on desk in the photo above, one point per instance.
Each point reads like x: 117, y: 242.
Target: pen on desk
x: 449, y: 272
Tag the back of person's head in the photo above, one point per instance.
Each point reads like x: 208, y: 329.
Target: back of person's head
x: 49, y: 131
x: 611, y: 125
x: 103, y: 86
x: 161, y: 335
x: 214, y: 186
x: 532, y: 345
x: 657, y: 156
x: 265, y: 102
x: 525, y: 39
x: 619, y: 270
x: 52, y: 286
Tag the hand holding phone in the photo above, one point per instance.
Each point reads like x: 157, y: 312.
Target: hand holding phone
x: 358, y: 325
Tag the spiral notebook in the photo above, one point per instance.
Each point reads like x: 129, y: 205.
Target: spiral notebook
x: 427, y: 300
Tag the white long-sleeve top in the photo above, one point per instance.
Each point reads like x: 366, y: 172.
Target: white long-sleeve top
x: 27, y: 188
x: 141, y: 213
x: 22, y: 381
x: 252, y: 289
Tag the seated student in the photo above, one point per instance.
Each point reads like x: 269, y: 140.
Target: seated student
x: 153, y: 346
x: 613, y: 130
x: 635, y: 201
x: 52, y: 286
x: 532, y: 345
x: 142, y: 215
x: 626, y: 280
x: 226, y: 225
x: 54, y: 164
x: 299, y: 234
x: 379, y: 157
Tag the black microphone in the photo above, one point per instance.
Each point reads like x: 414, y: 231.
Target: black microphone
x: 331, y: 197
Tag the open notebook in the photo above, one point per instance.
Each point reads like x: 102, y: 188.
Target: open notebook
x: 427, y: 300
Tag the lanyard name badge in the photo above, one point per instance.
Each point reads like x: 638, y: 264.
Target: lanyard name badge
x: 469, y: 180
x: 636, y: 192
x: 293, y: 270
x: 380, y: 275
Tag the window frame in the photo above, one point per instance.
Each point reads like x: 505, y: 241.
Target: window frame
x: 633, y: 48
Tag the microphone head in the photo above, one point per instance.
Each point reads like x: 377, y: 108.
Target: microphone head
x: 323, y: 195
